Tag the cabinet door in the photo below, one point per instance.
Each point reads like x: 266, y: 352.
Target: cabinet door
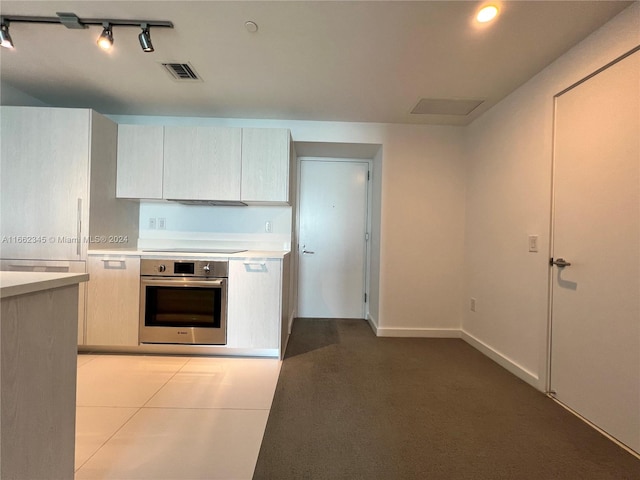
x: 202, y: 163
x: 45, y: 167
x: 140, y: 161
x: 265, y: 165
x: 113, y: 301
x: 254, y: 303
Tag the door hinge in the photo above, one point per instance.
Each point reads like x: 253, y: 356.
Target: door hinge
x: 365, y: 298
x: 366, y: 236
x: 368, y: 175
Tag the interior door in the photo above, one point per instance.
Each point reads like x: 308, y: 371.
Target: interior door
x: 595, y: 329
x: 332, y: 239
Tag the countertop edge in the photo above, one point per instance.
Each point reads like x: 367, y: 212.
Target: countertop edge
x: 13, y: 284
x: 279, y: 254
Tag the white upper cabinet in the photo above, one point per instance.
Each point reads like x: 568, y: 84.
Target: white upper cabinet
x: 251, y: 165
x: 140, y: 161
x: 202, y: 163
x: 265, y: 165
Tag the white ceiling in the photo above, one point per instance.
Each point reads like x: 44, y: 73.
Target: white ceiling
x: 362, y: 61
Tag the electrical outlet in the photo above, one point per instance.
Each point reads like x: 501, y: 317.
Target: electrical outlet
x: 472, y: 304
x: 152, y: 223
x: 267, y: 226
x: 162, y: 223
x: 533, y: 243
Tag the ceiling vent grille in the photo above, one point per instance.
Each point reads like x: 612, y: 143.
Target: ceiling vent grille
x: 182, y: 72
x: 446, y: 106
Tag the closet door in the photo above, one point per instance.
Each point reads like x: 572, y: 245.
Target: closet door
x: 595, y: 329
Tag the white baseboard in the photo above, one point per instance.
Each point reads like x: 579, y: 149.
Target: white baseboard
x: 418, y: 332
x: 373, y: 323
x: 519, y: 371
x: 505, y: 362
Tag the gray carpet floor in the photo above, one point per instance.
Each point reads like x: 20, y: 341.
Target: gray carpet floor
x: 350, y: 405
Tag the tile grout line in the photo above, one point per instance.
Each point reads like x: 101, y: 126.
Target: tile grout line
x: 165, y: 383
x: 145, y: 406
x: 110, y: 436
x: 129, y: 418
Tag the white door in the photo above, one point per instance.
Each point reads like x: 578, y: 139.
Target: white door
x: 332, y: 240
x: 595, y: 333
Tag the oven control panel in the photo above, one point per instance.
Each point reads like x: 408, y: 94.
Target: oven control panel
x: 184, y: 268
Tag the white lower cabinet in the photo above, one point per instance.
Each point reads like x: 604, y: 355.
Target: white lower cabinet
x: 113, y: 300
x: 254, y: 303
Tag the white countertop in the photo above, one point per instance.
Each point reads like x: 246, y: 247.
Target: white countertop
x: 19, y: 283
x: 279, y: 254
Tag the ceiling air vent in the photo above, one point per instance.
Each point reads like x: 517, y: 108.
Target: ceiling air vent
x: 446, y: 106
x: 182, y: 72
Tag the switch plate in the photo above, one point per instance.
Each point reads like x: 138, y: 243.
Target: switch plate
x: 533, y: 243
x: 162, y: 223
x: 152, y: 223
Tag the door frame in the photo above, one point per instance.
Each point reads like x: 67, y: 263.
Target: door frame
x: 547, y: 382
x: 367, y: 253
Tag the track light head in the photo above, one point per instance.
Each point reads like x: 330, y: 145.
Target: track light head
x: 5, y: 38
x: 105, y: 40
x: 145, y: 38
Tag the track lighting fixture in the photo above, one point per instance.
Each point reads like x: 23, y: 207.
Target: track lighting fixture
x: 145, y: 38
x: 71, y: 20
x: 105, y: 40
x: 5, y: 38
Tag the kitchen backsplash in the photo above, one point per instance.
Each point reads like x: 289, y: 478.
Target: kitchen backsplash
x: 172, y: 225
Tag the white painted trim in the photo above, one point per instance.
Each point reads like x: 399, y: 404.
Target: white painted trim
x: 292, y: 317
x: 373, y: 323
x: 505, y: 362
x: 595, y: 427
x: 418, y: 332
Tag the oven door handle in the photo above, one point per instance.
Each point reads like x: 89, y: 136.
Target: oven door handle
x: 163, y: 282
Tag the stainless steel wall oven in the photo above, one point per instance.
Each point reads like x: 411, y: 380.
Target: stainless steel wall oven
x: 183, y: 301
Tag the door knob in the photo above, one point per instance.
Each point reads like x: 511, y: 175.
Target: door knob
x: 307, y: 252
x: 560, y: 262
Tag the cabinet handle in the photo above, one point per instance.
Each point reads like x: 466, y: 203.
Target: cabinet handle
x: 79, y: 226
x: 255, y: 267
x: 122, y: 264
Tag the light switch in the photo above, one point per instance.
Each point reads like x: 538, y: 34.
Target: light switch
x: 162, y: 223
x: 152, y: 223
x: 533, y: 243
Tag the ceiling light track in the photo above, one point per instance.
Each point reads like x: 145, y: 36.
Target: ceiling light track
x: 72, y: 21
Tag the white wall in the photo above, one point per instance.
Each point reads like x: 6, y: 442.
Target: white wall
x: 418, y: 212
x: 220, y: 227
x: 10, y: 95
x: 509, y: 154
x: 422, y: 223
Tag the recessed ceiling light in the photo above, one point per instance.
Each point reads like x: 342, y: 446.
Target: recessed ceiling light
x: 487, y: 13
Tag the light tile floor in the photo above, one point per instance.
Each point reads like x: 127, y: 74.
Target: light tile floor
x: 178, y: 418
